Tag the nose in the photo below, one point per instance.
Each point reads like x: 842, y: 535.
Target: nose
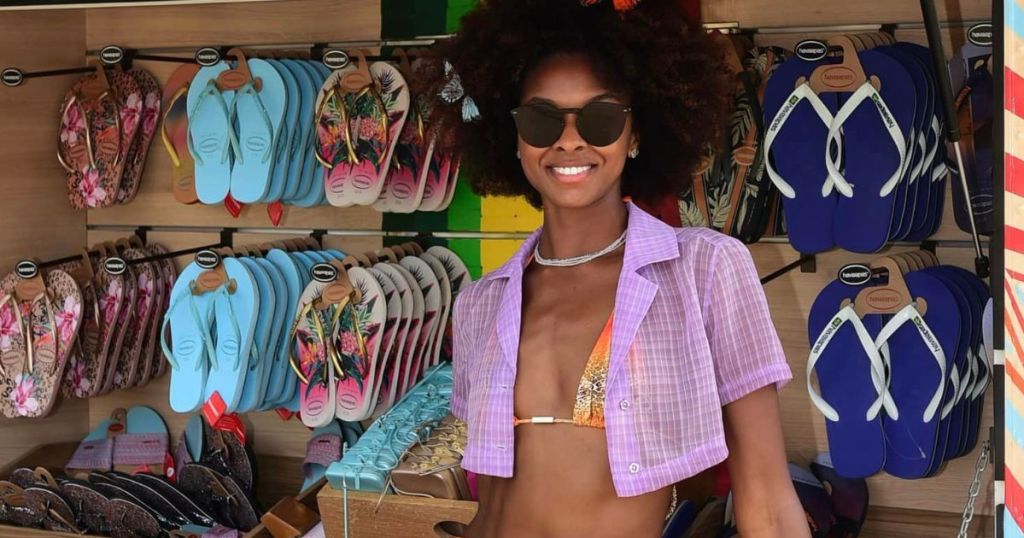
x: 570, y: 140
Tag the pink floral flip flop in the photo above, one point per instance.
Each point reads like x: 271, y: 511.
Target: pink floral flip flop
x: 169, y: 273
x: 371, y: 114
x: 46, y: 315
x: 358, y: 347
x: 133, y: 361
x: 90, y: 144
x: 117, y: 363
x: 83, y: 369
x: 143, y: 110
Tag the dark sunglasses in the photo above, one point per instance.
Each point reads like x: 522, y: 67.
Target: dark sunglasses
x: 599, y: 123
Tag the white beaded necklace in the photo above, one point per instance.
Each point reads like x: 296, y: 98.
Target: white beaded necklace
x: 577, y: 260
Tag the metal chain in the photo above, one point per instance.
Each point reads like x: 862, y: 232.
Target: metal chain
x: 972, y: 497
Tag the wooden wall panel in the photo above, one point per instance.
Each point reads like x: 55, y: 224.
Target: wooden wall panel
x: 768, y: 13
x: 35, y: 217
x: 284, y: 21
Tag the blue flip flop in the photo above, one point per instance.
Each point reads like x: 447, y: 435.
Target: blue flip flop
x: 259, y: 114
x: 303, y: 131
x: 236, y: 315
x: 680, y: 520
x: 928, y: 141
x: 289, y: 132
x: 921, y: 350
x: 852, y: 378
x: 876, y: 124
x: 294, y: 284
x: 981, y: 356
x: 324, y: 73
x: 279, y: 326
x: 312, y: 192
x: 797, y: 123
x: 290, y: 397
x: 211, y: 137
x: 189, y: 318
x: 254, y: 387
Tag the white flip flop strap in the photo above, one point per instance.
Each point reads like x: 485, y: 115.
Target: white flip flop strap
x: 940, y: 169
x: 849, y: 315
x: 801, y: 92
x: 212, y: 90
x: 922, y: 147
x: 981, y: 356
x: 197, y: 319
x: 958, y: 388
x: 910, y: 313
x: 866, y: 92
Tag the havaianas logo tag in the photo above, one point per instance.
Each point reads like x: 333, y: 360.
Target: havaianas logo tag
x: 926, y: 333
x: 827, y: 335
x: 784, y: 113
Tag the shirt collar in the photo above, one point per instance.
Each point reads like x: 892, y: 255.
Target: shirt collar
x: 648, y: 241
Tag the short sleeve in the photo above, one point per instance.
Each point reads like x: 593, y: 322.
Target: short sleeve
x: 460, y: 360
x: 745, y: 347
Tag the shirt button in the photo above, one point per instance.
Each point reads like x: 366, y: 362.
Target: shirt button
x: 624, y: 405
x: 634, y: 468
x: 500, y: 447
x: 503, y: 387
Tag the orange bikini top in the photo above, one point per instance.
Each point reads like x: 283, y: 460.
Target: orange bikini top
x: 589, y: 408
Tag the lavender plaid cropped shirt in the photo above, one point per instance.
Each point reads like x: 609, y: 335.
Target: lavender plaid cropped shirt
x: 692, y: 333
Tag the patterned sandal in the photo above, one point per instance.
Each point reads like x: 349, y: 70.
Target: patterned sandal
x: 147, y: 114
x: 133, y: 360
x: 90, y: 146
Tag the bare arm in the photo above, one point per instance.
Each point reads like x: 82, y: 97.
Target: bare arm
x: 765, y: 502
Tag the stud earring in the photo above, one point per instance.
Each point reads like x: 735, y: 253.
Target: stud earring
x: 518, y: 155
x: 635, y: 152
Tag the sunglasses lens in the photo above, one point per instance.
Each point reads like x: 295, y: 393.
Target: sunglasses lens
x: 601, y: 124
x: 538, y: 126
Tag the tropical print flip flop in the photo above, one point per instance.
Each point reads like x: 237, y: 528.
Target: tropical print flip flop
x: 90, y: 142
x: 149, y: 113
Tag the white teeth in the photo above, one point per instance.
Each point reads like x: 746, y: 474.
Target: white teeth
x: 571, y: 170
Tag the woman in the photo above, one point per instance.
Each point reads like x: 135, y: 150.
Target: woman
x: 613, y: 356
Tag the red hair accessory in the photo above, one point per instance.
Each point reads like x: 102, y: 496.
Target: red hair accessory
x: 621, y: 6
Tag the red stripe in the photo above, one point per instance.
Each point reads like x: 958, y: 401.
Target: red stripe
x: 1011, y: 101
x: 1014, y: 238
x: 1014, y: 497
x: 1014, y: 174
x: 1014, y: 274
x: 1016, y: 308
x: 1015, y: 377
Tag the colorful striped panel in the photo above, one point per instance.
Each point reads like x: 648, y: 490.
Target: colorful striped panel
x: 1013, y: 105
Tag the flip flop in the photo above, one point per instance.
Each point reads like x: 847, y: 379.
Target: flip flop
x: 90, y: 142
x: 323, y: 449
x: 91, y: 507
x: 174, y: 133
x: 169, y: 273
x: 148, y: 115
x: 96, y: 451
x: 293, y: 286
x: 189, y: 317
x: 181, y: 502
x: 377, y: 104
x: 852, y: 379
x: 431, y: 289
x: 129, y: 96
x: 331, y: 120
x: 814, y: 499
x: 300, y: 123
x: 191, y: 445
x: 877, y: 125
x: 435, y: 181
x: 357, y: 345
x: 56, y: 318
x: 211, y: 137
x: 389, y: 342
x: 453, y: 181
x: 311, y: 183
x: 283, y: 153
x: 922, y: 354
x: 118, y: 364
x: 970, y: 76
x: 798, y: 122
x: 394, y: 363
x: 445, y: 307
x: 266, y: 322
x: 416, y: 339
x: 85, y: 367
x: 259, y: 110
x: 848, y: 497
x: 290, y: 395
x: 414, y: 166
x: 311, y: 356
x: 236, y: 316
x: 143, y: 446
x: 132, y: 362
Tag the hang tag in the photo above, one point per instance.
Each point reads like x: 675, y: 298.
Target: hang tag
x: 285, y: 414
x: 112, y: 55
x: 855, y: 274
x: 207, y: 56
x: 170, y: 471
x: 232, y: 424
x: 12, y: 77
x: 214, y: 408
x: 276, y: 212
x: 115, y: 266
x: 117, y: 421
x: 811, y: 50
x: 234, y: 207
x: 336, y: 59
x: 980, y: 34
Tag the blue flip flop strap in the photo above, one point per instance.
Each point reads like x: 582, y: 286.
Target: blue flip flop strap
x: 204, y: 330
x: 878, y: 377
x: 910, y: 313
x: 211, y: 89
x: 249, y: 90
x: 802, y: 92
x: 222, y: 292
x: 866, y: 92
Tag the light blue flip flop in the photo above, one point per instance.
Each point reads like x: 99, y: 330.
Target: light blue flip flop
x: 312, y: 172
x: 236, y: 316
x: 252, y: 392
x: 211, y: 137
x: 259, y: 115
x: 294, y: 284
x: 289, y: 130
x: 189, y: 317
x: 278, y: 327
x: 325, y: 73
x: 303, y: 130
